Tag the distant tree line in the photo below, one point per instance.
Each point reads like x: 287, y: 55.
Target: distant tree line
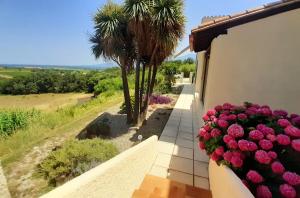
x: 56, y: 81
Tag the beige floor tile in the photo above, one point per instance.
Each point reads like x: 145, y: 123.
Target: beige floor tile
x: 200, y: 155
x: 170, y: 133
x: 183, y: 152
x: 159, y: 171
x: 184, y: 135
x: 186, y: 129
x: 184, y: 143
x: 201, y: 169
x: 180, y: 177
x: 165, y: 147
x: 181, y: 164
x: 163, y: 160
x: 201, y: 182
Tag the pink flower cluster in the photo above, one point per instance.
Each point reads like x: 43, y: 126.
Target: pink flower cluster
x: 255, y: 141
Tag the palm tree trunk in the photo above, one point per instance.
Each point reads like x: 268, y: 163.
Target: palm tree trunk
x: 151, y: 86
x: 152, y: 80
x: 137, y: 91
x: 142, y: 87
x: 126, y: 95
x: 148, y: 88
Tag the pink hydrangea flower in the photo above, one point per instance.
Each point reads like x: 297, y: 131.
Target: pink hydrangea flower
x: 242, y: 116
x: 293, y: 115
x: 223, y: 123
x: 207, y: 136
x: 296, y: 121
x: 214, y: 156
x: 219, y: 150
x: 251, y: 111
x: 231, y: 117
x: 267, y: 130
x: 227, y: 106
x: 262, y: 157
x: 277, y: 167
x: 287, y: 191
x: 291, y: 178
x: 246, y: 145
x: 232, y: 144
x: 272, y: 154
x: 283, y: 139
x: 292, y: 131
x: 260, y: 127
x: 263, y: 191
x: 207, y: 127
x: 205, y: 118
x: 202, y: 132
x: 236, y: 161
x: 283, y: 123
x: 218, y: 108
x: 256, y: 135
x: 215, y: 132
x: 265, y: 144
x: 271, y: 137
x: 227, y: 138
x: 201, y: 145
x: 254, y: 177
x: 211, y: 112
x: 280, y: 113
x: 235, y: 130
x: 296, y: 144
x: 227, y: 156
x: 238, y: 154
x: 264, y: 111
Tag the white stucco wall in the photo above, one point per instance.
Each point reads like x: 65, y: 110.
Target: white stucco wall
x: 224, y: 183
x: 257, y: 62
x: 118, y: 177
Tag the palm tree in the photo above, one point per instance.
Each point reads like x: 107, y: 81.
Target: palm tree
x: 157, y: 25
x: 112, y: 41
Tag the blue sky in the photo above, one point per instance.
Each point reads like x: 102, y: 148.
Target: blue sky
x: 56, y: 31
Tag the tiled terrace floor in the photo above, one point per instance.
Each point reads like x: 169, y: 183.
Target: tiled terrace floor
x: 179, y: 157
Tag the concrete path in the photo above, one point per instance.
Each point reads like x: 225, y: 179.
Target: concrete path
x: 179, y: 157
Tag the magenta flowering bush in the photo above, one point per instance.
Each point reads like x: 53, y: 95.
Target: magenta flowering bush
x: 160, y: 99
x: 260, y: 145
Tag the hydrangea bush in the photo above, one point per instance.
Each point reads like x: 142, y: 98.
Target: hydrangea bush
x: 260, y: 145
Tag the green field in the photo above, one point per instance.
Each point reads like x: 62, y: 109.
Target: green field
x: 47, y: 102
x: 67, y: 120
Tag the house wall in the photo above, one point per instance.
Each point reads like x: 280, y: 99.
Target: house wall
x: 199, y: 74
x: 257, y: 62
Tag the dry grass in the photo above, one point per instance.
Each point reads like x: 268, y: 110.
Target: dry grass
x: 47, y: 102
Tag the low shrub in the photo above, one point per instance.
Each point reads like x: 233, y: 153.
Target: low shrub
x: 74, y: 158
x: 13, y: 119
x: 186, y: 69
x: 260, y: 145
x: 159, y: 99
x: 105, y: 85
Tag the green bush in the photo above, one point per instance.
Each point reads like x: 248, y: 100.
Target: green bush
x: 186, y: 69
x: 74, y: 158
x: 13, y: 119
x: 105, y: 85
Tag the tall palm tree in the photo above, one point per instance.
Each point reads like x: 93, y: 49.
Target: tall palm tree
x: 112, y: 41
x: 157, y: 25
